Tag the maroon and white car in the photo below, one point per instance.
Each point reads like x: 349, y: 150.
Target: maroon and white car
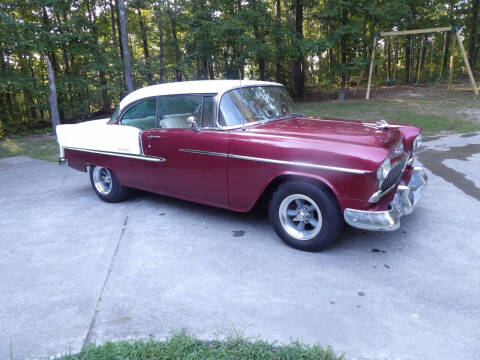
x: 229, y: 144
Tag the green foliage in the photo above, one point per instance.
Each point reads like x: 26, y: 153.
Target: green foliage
x: 183, y: 346
x: 196, y: 39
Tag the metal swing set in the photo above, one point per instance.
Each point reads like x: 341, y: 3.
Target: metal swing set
x: 412, y: 72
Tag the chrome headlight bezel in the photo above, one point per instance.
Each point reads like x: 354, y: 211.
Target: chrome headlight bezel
x: 384, y: 169
x: 398, y: 148
x: 416, y: 143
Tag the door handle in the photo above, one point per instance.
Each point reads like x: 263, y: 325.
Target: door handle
x: 150, y: 137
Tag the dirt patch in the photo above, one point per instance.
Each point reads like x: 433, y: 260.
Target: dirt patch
x: 469, y: 112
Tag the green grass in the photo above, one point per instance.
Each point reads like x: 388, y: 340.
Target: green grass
x: 390, y: 111
x: 183, y: 346
x: 435, y: 108
x: 42, y: 147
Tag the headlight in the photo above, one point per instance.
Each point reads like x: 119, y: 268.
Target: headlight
x: 398, y: 148
x: 417, y: 142
x: 383, y: 170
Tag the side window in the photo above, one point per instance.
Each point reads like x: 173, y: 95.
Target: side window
x: 208, y: 115
x: 141, y: 115
x: 174, y: 110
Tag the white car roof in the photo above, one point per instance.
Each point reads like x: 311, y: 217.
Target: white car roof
x: 191, y: 87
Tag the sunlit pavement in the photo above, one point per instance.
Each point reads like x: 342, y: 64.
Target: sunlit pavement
x: 76, y: 270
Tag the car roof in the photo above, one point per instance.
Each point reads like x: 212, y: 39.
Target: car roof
x: 191, y: 87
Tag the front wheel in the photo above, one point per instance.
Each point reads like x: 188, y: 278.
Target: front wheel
x: 305, y: 216
x: 106, y: 185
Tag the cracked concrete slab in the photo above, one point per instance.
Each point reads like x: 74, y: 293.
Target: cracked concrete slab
x: 409, y: 294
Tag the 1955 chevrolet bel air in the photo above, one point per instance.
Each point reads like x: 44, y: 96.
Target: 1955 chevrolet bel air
x: 229, y: 144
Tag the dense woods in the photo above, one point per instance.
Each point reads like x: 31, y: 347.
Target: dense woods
x: 101, y: 49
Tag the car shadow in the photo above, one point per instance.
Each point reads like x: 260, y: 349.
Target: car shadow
x: 351, y: 239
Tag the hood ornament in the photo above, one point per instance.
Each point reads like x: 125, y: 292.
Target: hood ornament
x: 381, y: 124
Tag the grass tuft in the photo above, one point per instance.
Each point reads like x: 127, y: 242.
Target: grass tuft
x: 184, y: 346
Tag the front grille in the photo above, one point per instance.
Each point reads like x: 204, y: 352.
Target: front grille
x: 395, y: 174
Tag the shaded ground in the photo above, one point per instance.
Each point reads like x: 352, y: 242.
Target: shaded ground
x: 76, y: 270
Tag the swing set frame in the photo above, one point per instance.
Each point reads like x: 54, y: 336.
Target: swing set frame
x: 455, y: 38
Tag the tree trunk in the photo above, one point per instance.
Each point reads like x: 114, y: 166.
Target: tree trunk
x: 473, y: 47
x: 52, y: 97
x: 408, y: 54
x: 117, y: 13
x: 211, y: 71
x: 278, y: 57
x: 146, y: 55
x: 105, y: 105
x: 173, y: 23
x: 298, y: 64
x: 447, y: 51
x: 204, y: 68
x: 124, y: 41
x: 114, y: 27
x: 343, y: 50
x: 259, y: 40
x: 159, y: 14
x: 27, y: 93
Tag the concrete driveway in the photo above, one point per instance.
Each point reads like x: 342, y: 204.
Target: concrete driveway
x: 76, y: 270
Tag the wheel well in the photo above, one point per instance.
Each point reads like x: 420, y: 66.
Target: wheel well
x: 275, y: 183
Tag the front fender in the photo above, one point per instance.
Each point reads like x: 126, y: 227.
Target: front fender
x: 258, y: 180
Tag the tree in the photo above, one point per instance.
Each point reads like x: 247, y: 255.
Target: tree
x: 473, y: 45
x: 299, y: 61
x: 124, y: 41
x: 304, y: 44
x: 52, y: 98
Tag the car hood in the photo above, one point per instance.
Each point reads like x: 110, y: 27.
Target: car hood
x: 345, y: 131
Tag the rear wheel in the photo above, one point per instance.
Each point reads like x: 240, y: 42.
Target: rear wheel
x: 106, y: 185
x: 305, y: 216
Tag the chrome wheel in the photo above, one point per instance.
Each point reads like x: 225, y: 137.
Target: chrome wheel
x: 102, y: 179
x: 300, y: 217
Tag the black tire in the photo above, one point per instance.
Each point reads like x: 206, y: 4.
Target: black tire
x: 326, y: 231
x: 115, y: 193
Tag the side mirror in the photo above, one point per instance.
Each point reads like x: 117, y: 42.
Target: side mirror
x: 192, y: 122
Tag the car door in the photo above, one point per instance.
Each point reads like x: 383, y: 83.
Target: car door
x: 195, y: 166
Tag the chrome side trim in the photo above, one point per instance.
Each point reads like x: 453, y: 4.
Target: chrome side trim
x: 203, y: 152
x: 294, y: 163
x: 274, y: 161
x: 111, y: 153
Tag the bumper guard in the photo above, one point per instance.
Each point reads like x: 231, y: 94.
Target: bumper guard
x: 403, y: 203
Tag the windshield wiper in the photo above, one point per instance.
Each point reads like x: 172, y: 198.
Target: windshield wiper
x: 286, y: 116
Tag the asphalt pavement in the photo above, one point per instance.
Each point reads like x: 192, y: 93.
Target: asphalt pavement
x: 75, y: 270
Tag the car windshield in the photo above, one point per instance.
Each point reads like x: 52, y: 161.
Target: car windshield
x: 256, y: 103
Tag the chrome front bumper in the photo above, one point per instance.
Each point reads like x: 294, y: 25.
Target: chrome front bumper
x: 403, y: 203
